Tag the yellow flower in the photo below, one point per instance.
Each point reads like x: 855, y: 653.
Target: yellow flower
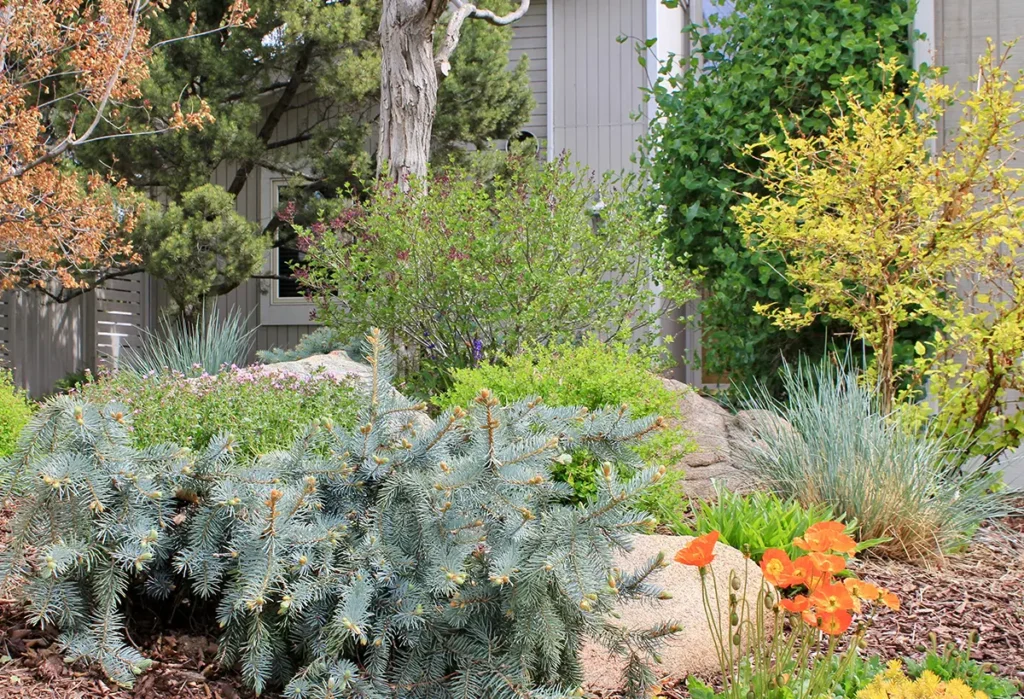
x: 894, y: 684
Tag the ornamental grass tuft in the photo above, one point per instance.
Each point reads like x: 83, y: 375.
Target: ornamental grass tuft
x: 842, y: 452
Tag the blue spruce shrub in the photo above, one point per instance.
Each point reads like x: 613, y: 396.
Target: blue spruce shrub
x: 402, y: 558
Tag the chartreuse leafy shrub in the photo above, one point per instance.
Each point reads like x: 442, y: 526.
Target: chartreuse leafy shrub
x: 843, y: 453
x: 594, y: 375
x: 15, y: 411
x: 480, y: 265
x: 262, y: 411
x: 398, y: 559
x: 756, y: 521
x: 757, y: 68
x: 941, y: 239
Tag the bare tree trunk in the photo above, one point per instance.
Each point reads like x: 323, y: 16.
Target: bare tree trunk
x: 409, y: 75
x: 408, y: 88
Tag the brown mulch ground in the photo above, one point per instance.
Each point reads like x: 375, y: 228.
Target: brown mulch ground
x: 981, y: 590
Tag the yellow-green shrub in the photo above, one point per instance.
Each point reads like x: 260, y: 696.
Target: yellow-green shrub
x: 595, y: 375
x: 15, y: 411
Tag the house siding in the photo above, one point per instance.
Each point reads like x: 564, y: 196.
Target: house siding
x: 597, y: 81
x: 529, y: 38
x: 963, y: 28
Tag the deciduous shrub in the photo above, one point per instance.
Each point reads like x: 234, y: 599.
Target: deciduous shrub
x: 843, y: 453
x: 756, y: 68
x: 15, y: 411
x: 263, y: 412
x: 595, y: 375
x: 479, y: 266
x: 399, y: 560
x: 878, y: 232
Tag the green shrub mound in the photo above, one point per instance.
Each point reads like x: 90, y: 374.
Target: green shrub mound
x: 401, y: 559
x: 595, y: 375
x: 15, y: 411
x: 263, y: 412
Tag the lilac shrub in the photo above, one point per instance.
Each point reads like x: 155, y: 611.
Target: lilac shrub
x: 263, y: 409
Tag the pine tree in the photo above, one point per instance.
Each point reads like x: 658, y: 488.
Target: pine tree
x: 407, y: 558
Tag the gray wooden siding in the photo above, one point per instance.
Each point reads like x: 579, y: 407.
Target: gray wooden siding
x: 41, y: 341
x: 963, y: 28
x: 597, y: 80
x: 529, y: 38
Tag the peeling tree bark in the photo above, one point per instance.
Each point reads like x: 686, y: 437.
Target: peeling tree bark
x: 410, y: 75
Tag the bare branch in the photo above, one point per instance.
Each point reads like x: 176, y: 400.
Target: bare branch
x: 463, y: 11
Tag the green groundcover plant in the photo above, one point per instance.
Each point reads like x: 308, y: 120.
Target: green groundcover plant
x: 262, y: 411
x: 756, y: 521
x: 402, y: 558
x: 15, y: 411
x: 595, y: 375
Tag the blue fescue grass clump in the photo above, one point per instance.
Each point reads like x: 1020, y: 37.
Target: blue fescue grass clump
x: 897, y: 483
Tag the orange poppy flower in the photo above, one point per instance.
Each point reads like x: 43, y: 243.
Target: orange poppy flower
x: 810, y: 617
x: 776, y: 566
x: 797, y: 605
x: 835, y: 623
x: 801, y: 569
x: 830, y: 598
x: 822, y: 537
x: 827, y: 563
x: 699, y: 552
x: 889, y: 599
x: 861, y: 589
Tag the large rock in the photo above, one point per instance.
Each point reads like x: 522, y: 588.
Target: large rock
x: 692, y: 651
x: 337, y: 364
x: 720, y: 438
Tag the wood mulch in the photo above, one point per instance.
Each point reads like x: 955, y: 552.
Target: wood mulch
x: 979, y: 591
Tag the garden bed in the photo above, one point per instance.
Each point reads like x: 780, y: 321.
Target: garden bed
x: 980, y: 590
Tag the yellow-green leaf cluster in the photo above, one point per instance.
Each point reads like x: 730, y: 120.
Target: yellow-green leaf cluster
x: 881, y: 227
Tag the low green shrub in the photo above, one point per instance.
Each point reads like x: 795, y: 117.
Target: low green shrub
x: 15, y: 411
x: 758, y: 521
x: 398, y: 560
x: 843, y: 453
x: 323, y: 340
x: 594, y: 375
x: 262, y: 411
x: 210, y: 345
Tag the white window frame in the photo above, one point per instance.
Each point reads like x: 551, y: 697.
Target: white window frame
x: 275, y: 310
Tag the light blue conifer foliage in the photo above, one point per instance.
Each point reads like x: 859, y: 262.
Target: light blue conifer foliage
x: 407, y: 558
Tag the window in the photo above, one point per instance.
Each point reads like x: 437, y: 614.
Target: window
x: 282, y: 300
